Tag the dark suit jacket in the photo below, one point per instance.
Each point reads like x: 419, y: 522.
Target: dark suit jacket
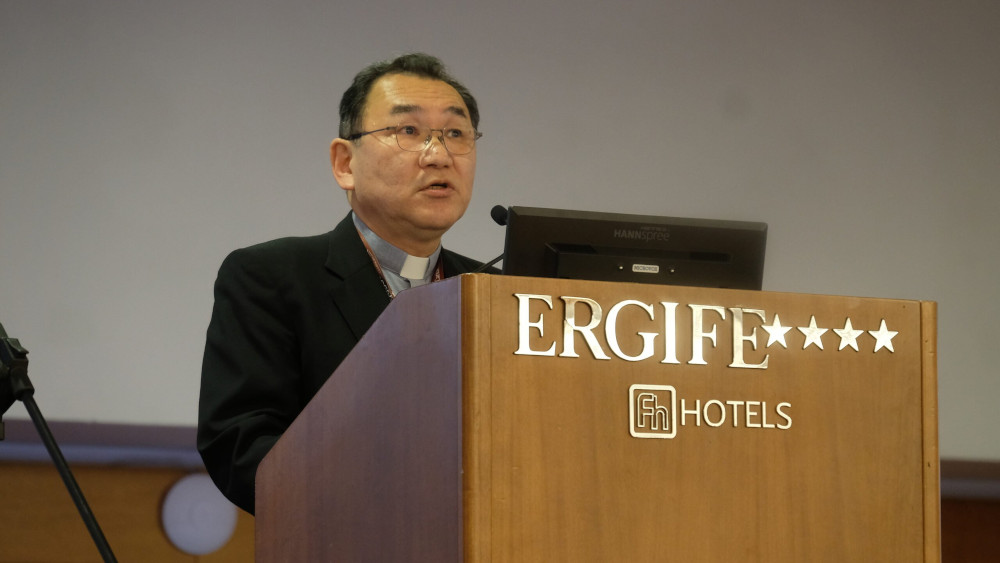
x: 287, y: 312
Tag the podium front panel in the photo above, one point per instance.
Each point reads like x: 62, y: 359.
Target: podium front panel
x: 651, y: 423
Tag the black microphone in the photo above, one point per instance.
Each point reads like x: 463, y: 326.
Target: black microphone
x: 499, y: 214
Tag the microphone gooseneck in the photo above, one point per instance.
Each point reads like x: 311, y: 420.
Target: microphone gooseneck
x: 499, y: 215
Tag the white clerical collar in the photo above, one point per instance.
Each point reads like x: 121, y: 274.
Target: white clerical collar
x: 415, y: 267
x: 396, y: 263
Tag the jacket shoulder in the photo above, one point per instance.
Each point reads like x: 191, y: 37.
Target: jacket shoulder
x: 455, y: 264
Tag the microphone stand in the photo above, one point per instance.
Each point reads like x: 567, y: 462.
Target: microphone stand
x: 500, y: 215
x: 487, y: 265
x: 15, y: 386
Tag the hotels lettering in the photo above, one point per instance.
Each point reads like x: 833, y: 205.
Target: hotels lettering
x: 655, y: 411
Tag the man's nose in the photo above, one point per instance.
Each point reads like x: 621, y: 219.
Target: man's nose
x: 435, y: 149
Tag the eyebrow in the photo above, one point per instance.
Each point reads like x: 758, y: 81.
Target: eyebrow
x: 413, y: 108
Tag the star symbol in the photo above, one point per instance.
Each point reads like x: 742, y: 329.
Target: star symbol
x: 883, y: 337
x: 848, y: 336
x: 813, y: 334
x: 776, y: 332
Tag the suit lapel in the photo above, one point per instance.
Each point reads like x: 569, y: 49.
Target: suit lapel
x: 451, y: 266
x: 357, y: 290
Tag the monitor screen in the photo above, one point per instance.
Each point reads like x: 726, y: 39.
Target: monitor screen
x: 587, y: 245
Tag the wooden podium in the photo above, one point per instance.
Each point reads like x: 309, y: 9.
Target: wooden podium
x: 509, y: 419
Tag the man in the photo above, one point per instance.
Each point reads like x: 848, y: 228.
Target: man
x: 288, y: 311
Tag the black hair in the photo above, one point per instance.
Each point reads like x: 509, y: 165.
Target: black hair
x: 352, y: 104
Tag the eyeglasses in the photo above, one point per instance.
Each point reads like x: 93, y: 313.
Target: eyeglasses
x: 416, y: 138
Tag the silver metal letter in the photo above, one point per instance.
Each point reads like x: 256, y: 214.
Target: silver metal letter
x: 698, y: 331
x: 570, y: 326
x: 739, y: 338
x: 670, y: 332
x: 524, y: 325
x: 611, y: 331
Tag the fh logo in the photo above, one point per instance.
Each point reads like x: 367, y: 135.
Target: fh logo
x: 652, y: 411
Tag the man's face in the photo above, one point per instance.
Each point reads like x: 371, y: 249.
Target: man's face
x: 408, y: 198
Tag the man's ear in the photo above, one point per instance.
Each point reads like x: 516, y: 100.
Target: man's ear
x: 341, y: 158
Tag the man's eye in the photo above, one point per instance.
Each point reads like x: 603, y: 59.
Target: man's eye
x: 455, y: 133
x: 408, y: 131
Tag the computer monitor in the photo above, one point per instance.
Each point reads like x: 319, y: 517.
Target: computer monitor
x: 587, y: 245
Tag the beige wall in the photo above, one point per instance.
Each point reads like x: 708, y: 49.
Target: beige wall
x: 139, y: 143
